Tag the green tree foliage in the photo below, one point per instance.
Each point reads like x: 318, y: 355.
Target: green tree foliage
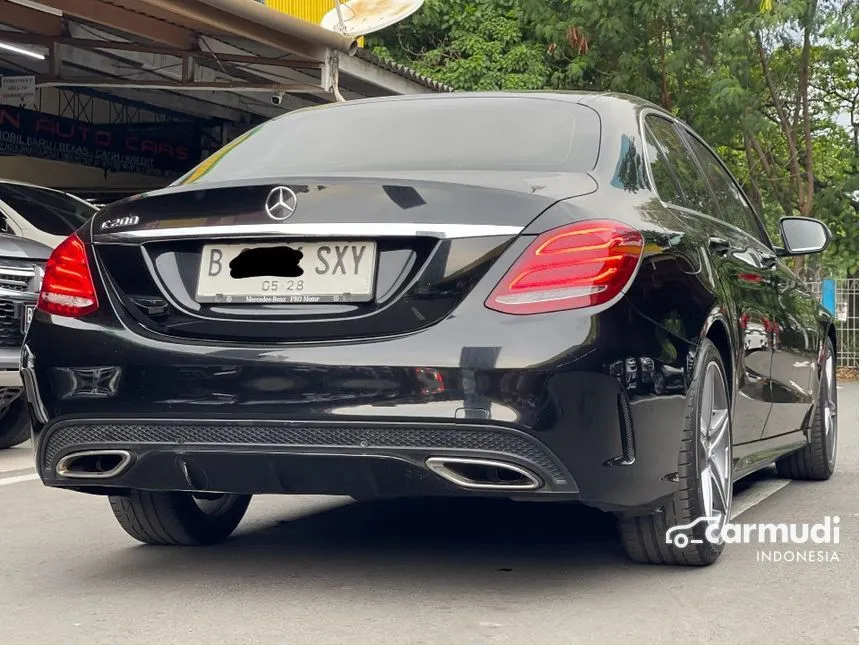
x: 469, y: 45
x: 772, y: 84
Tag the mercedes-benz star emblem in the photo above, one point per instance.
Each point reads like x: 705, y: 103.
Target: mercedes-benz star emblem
x: 281, y: 203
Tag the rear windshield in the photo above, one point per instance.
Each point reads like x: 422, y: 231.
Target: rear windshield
x: 49, y: 211
x: 475, y: 133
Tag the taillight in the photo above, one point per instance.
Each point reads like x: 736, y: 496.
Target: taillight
x: 573, y: 266
x: 67, y: 287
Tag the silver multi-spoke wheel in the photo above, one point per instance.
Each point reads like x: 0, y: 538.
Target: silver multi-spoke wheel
x: 828, y: 412
x: 817, y: 459
x: 715, y: 447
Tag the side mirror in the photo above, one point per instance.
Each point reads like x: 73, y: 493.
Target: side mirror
x: 803, y: 235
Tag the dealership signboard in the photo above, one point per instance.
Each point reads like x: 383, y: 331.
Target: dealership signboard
x: 18, y: 90
x: 160, y: 150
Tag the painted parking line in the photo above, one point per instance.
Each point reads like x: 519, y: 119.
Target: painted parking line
x: 22, y: 464
x: 6, y: 481
x: 756, y: 494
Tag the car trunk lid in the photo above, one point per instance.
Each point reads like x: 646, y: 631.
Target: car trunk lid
x: 312, y: 259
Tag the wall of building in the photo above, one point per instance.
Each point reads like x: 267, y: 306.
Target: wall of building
x: 309, y: 10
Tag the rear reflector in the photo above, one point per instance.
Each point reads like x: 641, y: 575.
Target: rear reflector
x: 573, y: 266
x: 67, y: 288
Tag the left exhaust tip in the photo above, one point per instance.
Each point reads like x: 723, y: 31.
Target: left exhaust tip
x: 94, y: 464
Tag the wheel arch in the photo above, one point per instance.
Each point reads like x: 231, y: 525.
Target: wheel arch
x: 716, y: 330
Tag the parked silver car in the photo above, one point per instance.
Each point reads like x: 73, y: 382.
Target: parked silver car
x: 22, y: 264
x: 33, y: 220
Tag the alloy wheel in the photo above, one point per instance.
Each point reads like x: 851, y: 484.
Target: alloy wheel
x: 715, y: 454
x: 828, y: 413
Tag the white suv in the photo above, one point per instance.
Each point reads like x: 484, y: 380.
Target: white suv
x: 41, y: 214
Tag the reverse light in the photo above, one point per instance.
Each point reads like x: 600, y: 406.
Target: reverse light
x: 573, y: 266
x: 67, y: 287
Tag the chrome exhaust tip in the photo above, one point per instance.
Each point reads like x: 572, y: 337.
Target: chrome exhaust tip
x: 94, y: 464
x: 484, y: 474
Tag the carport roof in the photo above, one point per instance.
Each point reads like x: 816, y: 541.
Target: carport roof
x: 402, y: 70
x: 234, y: 45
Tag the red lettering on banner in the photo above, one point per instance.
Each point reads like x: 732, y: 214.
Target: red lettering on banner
x: 8, y: 117
x: 163, y: 152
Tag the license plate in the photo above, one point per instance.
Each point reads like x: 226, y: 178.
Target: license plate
x: 318, y: 272
x: 27, y: 317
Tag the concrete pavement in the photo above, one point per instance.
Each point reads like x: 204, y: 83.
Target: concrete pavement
x: 325, y: 570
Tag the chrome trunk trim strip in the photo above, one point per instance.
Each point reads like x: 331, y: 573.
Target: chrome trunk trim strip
x: 327, y: 230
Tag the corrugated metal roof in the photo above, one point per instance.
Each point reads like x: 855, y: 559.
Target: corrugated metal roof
x: 402, y: 70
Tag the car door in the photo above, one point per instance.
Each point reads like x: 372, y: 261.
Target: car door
x: 740, y: 262
x: 792, y: 326
x: 797, y: 341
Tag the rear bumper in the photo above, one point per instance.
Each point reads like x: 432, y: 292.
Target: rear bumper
x: 266, y: 456
x: 590, y: 404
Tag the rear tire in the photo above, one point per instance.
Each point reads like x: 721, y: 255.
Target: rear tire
x: 704, y: 477
x: 14, y: 424
x: 178, y: 518
x: 816, y: 461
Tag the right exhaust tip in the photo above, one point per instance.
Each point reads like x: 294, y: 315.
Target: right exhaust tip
x: 484, y: 474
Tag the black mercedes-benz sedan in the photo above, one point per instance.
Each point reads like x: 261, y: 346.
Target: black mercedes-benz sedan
x: 542, y: 296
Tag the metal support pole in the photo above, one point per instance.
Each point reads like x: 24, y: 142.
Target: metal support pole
x: 331, y: 74
x: 56, y: 59
x: 189, y: 65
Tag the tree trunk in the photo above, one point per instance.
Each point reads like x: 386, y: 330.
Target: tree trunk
x: 753, y: 189
x: 807, y: 192
x: 665, y: 101
x: 784, y: 200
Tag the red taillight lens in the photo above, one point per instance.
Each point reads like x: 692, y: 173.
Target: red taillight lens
x: 579, y: 265
x: 67, y: 288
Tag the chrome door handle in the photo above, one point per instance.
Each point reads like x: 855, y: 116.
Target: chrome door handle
x: 768, y: 260
x: 719, y: 245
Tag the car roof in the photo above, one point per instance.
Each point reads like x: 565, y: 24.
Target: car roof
x: 598, y: 101
x: 573, y: 96
x: 16, y: 182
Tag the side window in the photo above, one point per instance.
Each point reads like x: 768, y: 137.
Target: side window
x: 695, y: 192
x: 736, y: 211
x: 664, y: 179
